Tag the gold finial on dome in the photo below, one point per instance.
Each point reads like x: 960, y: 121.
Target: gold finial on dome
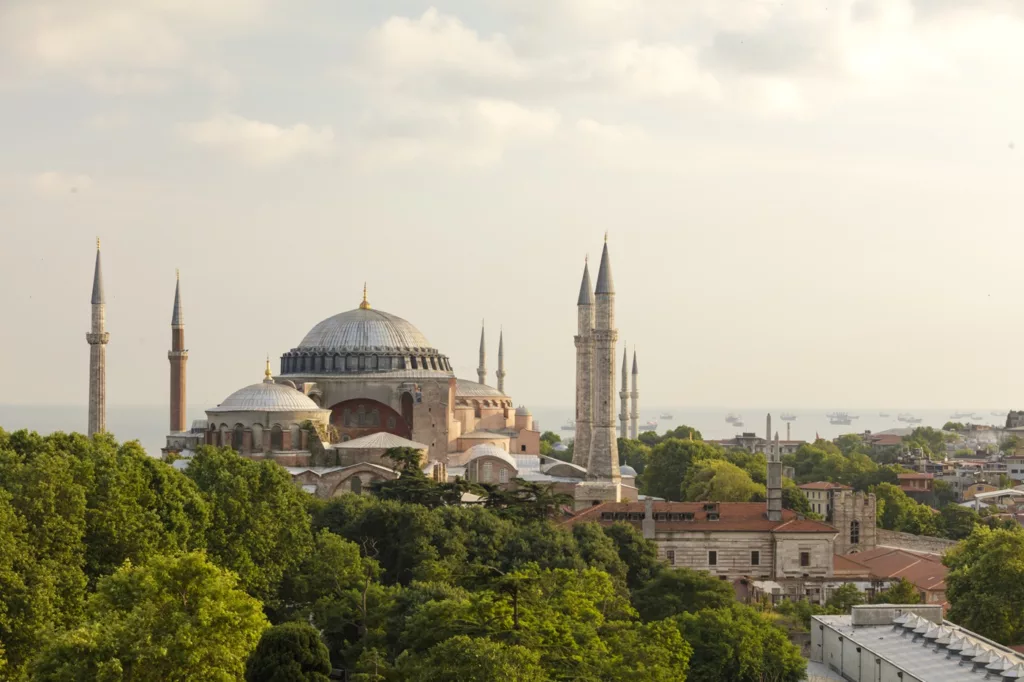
x: 365, y: 305
x: 266, y: 373
x: 606, y: 236
x: 97, y: 243
x: 177, y: 273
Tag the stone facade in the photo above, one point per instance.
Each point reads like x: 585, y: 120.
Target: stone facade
x: 97, y: 339
x: 584, y: 372
x: 603, y: 461
x: 853, y: 515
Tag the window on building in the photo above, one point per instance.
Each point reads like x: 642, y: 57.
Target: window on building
x: 503, y: 475
x: 855, y: 532
x: 487, y: 472
x: 712, y: 558
x: 805, y: 558
x: 755, y: 558
x: 671, y: 556
x: 522, y: 448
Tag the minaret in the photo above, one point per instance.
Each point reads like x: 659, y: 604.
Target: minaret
x: 768, y: 434
x: 501, y: 361
x: 788, y: 437
x: 481, y: 370
x: 584, y: 363
x: 624, y: 397
x: 98, y: 339
x: 634, y: 415
x: 774, y: 479
x: 177, y: 356
x: 604, y: 451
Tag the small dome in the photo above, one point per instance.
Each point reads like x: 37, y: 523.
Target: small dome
x: 488, y: 450
x: 521, y: 411
x: 626, y: 470
x: 266, y: 396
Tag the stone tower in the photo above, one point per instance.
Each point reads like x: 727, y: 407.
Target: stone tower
x: 177, y: 356
x: 584, y: 364
x: 634, y: 414
x: 501, y: 361
x: 774, y: 480
x: 98, y: 339
x: 481, y: 370
x: 624, y: 397
x: 854, y: 516
x: 604, y: 450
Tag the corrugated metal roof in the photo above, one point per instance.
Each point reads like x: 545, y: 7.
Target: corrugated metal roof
x: 365, y: 328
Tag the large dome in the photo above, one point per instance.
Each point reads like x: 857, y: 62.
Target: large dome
x: 266, y: 397
x: 364, y: 329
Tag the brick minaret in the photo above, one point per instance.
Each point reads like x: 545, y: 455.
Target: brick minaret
x: 98, y: 339
x: 501, y: 361
x: 481, y: 370
x: 584, y: 363
x: 178, y: 356
x: 624, y: 396
x: 634, y: 415
x: 604, y: 450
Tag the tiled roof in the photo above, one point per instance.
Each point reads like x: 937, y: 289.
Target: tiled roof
x: 925, y: 571
x: 732, y: 516
x: 915, y: 477
x: 824, y: 485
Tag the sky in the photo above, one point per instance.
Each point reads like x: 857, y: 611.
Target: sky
x: 808, y: 203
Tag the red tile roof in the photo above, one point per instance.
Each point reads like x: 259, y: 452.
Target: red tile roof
x: 925, y: 571
x: 732, y: 516
x: 915, y: 477
x: 824, y: 485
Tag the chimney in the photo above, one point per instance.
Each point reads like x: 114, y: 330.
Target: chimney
x: 647, y: 525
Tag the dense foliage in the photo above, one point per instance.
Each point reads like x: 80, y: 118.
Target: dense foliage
x: 985, y: 583
x: 118, y: 567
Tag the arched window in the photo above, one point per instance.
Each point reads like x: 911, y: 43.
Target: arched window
x: 854, y: 532
x: 257, y: 438
x: 356, y: 484
x: 236, y: 437
x: 503, y: 475
x: 276, y: 438
x: 487, y: 472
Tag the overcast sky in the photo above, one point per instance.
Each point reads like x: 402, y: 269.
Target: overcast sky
x: 809, y: 203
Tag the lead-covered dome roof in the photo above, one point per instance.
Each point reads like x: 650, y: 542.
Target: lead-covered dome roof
x: 364, y: 328
x: 266, y: 396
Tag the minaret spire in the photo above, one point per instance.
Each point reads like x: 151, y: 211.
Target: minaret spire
x: 634, y: 414
x: 97, y: 339
x: 501, y: 360
x: 178, y: 357
x: 604, y: 450
x: 584, y: 365
x: 624, y: 395
x: 481, y: 370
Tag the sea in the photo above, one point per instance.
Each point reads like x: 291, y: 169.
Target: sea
x: 148, y: 424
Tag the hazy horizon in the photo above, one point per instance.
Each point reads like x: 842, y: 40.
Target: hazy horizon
x: 811, y: 205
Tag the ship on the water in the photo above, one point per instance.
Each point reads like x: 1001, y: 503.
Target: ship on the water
x: 908, y: 418
x: 649, y: 426
x: 884, y: 415
x: 961, y: 415
x: 841, y: 418
x: 666, y: 415
x: 569, y: 425
x: 788, y: 417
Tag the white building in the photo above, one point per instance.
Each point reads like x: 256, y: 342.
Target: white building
x: 893, y: 643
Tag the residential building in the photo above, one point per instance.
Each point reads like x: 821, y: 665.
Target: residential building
x: 751, y: 442
x: 1007, y: 499
x: 821, y: 494
x: 883, y: 566
x: 907, y: 643
x: 976, y: 489
x: 916, y: 485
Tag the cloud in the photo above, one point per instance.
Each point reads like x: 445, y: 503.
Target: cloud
x: 56, y: 183
x: 257, y: 142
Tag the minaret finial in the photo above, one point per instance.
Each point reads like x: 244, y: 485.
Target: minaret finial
x: 97, y: 243
x: 365, y: 305
x: 177, y: 274
x: 606, y: 236
x: 266, y: 373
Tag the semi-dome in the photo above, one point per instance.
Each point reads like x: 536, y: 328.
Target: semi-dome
x: 266, y: 396
x: 488, y: 450
x: 364, y: 328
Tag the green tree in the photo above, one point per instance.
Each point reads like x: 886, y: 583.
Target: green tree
x: 668, y: 463
x: 599, y: 550
x: 738, y: 644
x: 794, y: 498
x: 680, y: 590
x: 850, y: 443
x: 547, y: 442
x: 717, y: 480
x: 653, y: 652
x: 958, y: 522
x: 897, y: 511
x: 470, y: 659
x: 259, y: 524
x: 638, y: 553
x: 290, y: 652
x: 635, y: 453
x: 1009, y: 445
x: 900, y: 592
x: 985, y: 584
x: 175, y: 618
x: 954, y: 426
x: 844, y: 598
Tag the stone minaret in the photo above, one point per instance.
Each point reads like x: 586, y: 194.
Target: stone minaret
x: 501, y: 361
x: 768, y: 433
x: 481, y: 370
x: 634, y: 415
x: 624, y: 397
x: 774, y: 482
x: 604, y: 450
x: 584, y: 364
x: 178, y: 356
x: 98, y: 339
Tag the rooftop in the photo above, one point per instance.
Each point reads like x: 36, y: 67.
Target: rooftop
x: 380, y: 441
x: 701, y: 516
x: 824, y: 485
x: 266, y: 396
x: 925, y: 571
x: 915, y: 477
